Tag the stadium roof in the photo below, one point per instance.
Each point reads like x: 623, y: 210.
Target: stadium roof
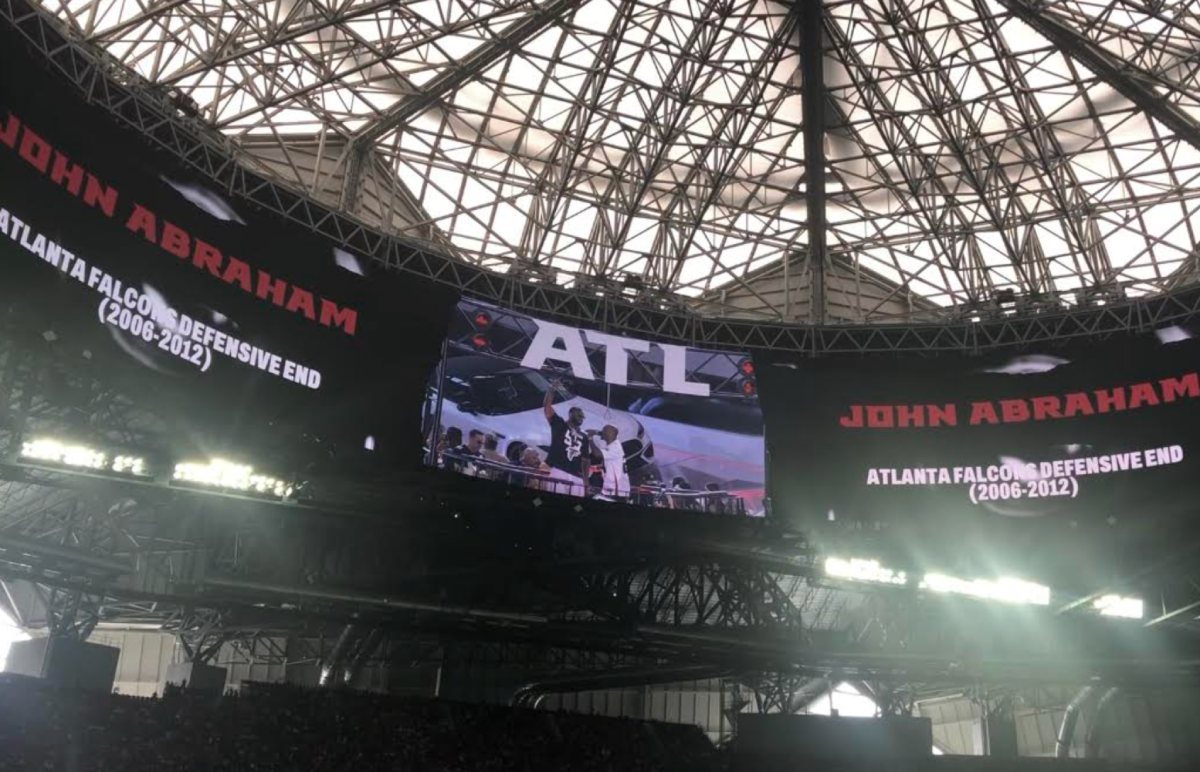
x: 970, y: 146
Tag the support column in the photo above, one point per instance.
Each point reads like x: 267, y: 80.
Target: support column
x: 358, y: 156
x: 812, y: 73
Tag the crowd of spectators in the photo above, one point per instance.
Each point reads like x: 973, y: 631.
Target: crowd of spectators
x: 285, y: 728
x: 478, y: 455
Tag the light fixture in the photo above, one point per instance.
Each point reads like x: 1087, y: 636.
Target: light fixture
x: 863, y: 570
x: 48, y: 451
x: 134, y: 465
x: 241, y: 478
x: 1119, y: 606
x: 1004, y: 589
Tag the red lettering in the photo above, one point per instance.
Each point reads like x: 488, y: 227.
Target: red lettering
x: 205, y: 255
x: 946, y: 415
x: 854, y: 420
x: 64, y: 170
x: 275, y: 288
x: 333, y: 316
x: 142, y: 221
x: 1046, y: 407
x: 35, y: 150
x: 1142, y: 393
x: 302, y: 300
x: 103, y: 195
x: 1110, y: 400
x: 9, y: 135
x: 983, y: 413
x: 175, y: 240
x: 910, y: 415
x: 1174, y: 388
x: 1014, y: 411
x: 207, y: 258
x: 236, y: 272
x: 1078, y: 404
x: 880, y: 416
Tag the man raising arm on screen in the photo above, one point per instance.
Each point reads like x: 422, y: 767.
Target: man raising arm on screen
x: 570, y: 453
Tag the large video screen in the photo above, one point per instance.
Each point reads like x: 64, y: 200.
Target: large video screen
x: 1089, y: 436
x: 583, y: 413
x: 248, y: 333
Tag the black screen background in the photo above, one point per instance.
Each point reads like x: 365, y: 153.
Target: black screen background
x: 373, y: 381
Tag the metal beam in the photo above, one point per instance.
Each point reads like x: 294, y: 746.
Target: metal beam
x: 812, y: 73
x: 1172, y: 614
x: 1126, y: 80
x: 532, y: 694
x: 1124, y: 584
x: 356, y: 159
x: 24, y: 551
x: 213, y: 158
x: 363, y: 600
x: 461, y: 72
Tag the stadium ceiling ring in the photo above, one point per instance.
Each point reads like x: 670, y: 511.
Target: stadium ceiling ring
x: 1039, y: 184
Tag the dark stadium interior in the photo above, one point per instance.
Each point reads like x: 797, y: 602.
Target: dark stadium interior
x: 587, y: 385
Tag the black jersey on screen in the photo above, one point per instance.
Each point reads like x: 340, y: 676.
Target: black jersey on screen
x: 567, y: 446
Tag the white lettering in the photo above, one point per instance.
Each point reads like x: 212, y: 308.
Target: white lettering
x: 544, y: 347
x: 616, y: 355
x: 675, y: 372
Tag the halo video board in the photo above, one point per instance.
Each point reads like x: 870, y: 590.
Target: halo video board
x: 583, y: 413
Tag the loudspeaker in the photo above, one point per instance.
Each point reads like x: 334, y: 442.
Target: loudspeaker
x: 65, y: 662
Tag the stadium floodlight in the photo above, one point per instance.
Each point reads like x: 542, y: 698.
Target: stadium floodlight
x: 1119, y: 606
x: 226, y: 475
x: 129, y: 465
x: 82, y: 457
x: 863, y: 570
x: 1004, y: 589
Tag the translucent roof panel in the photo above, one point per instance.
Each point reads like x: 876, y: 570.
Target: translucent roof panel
x: 588, y: 141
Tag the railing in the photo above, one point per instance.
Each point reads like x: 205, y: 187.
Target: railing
x: 552, y: 481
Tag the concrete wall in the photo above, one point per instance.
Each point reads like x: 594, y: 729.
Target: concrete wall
x: 145, y: 657
x: 143, y: 661
x: 691, y: 702
x: 1160, y: 726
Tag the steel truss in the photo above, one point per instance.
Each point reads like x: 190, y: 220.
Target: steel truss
x: 714, y: 595
x: 952, y: 242
x: 277, y: 585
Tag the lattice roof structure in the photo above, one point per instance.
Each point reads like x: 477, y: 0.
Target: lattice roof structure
x: 845, y: 160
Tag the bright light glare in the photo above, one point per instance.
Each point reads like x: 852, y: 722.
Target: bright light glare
x: 1005, y: 589
x: 61, y: 453
x: 129, y: 465
x: 9, y: 634
x: 861, y: 570
x: 218, y: 473
x: 1119, y: 606
x: 80, y: 457
x: 846, y: 700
